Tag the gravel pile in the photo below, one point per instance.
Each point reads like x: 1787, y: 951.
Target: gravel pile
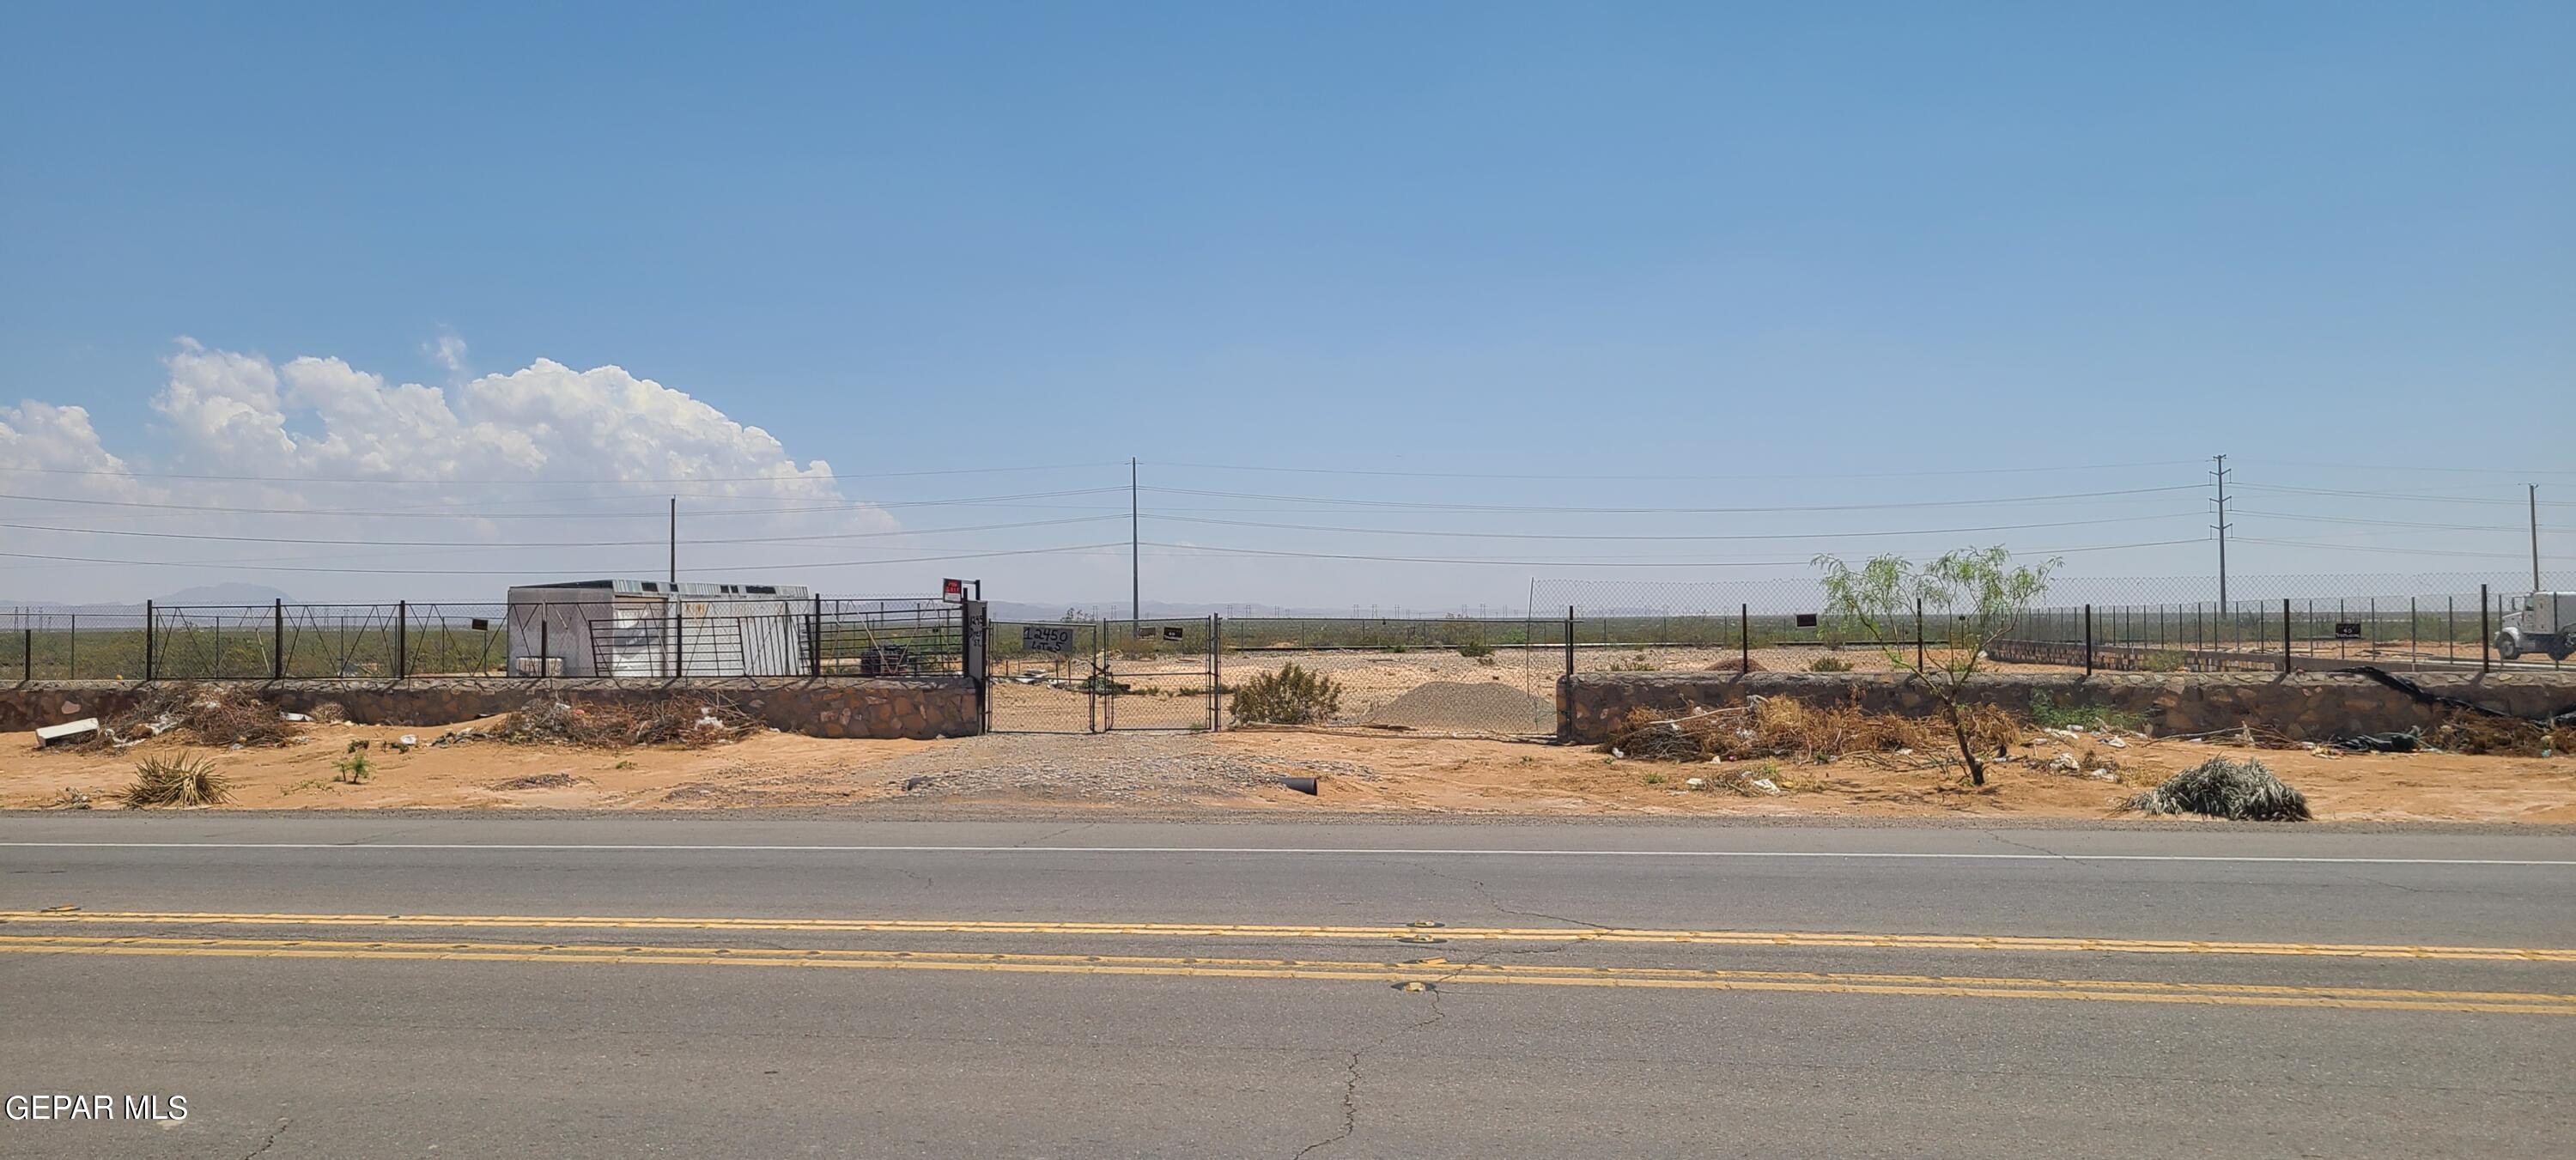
x: 1137, y: 768
x: 1465, y: 707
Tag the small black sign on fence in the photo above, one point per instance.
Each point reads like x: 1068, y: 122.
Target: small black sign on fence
x: 1806, y: 620
x: 1045, y: 638
x: 2348, y: 630
x: 481, y: 625
x: 1172, y: 632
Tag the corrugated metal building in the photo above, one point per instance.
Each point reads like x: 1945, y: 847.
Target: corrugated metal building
x: 652, y: 628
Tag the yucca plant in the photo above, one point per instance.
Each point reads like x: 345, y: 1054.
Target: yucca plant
x: 185, y: 780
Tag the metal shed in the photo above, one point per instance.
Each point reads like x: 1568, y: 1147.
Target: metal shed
x: 654, y: 628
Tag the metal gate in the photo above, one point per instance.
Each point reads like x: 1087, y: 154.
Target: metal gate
x: 1096, y: 676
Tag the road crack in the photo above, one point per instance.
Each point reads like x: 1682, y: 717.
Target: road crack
x: 2035, y: 849
x: 271, y: 1141
x: 1490, y: 899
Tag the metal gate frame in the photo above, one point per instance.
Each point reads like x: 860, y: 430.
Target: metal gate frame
x: 1104, y: 675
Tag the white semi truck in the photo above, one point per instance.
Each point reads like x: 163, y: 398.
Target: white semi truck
x: 2546, y: 623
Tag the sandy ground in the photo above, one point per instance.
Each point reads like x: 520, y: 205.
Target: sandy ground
x: 1171, y: 691
x: 1240, y: 769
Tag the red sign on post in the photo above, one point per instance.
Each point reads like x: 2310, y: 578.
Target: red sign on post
x: 953, y: 591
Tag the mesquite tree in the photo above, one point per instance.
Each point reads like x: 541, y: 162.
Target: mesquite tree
x: 1965, y: 601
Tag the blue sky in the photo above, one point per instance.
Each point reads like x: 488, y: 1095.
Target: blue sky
x: 2335, y: 241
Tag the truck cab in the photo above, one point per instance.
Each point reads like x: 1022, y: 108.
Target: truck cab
x: 2546, y: 623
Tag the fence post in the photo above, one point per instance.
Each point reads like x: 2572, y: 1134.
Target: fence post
x: 1918, y: 634
x: 71, y: 650
x: 402, y: 639
x: 1744, y: 639
x: 2285, y: 634
x: 277, y: 639
x: 27, y: 653
x: 2483, y: 643
x: 814, y: 638
x: 147, y: 640
x: 1216, y: 670
x: 2088, y: 640
x: 544, y: 647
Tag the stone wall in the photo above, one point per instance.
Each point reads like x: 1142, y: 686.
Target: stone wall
x: 2307, y: 706
x: 915, y: 707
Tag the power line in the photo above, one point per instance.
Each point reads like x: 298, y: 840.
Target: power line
x: 541, y: 482
x: 1582, y: 561
x: 2409, y: 496
x: 2391, y: 523
x: 655, y: 512
x: 1660, y: 536
x: 2515, y: 556
x: 1540, y: 508
x: 1669, y: 478
x: 549, y: 543
x: 1085, y: 549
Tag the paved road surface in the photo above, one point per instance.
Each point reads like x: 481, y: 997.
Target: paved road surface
x: 617, y: 986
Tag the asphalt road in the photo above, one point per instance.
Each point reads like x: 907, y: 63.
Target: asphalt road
x: 544, y: 986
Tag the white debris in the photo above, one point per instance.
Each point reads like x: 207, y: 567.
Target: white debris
x: 1615, y: 751
x: 1697, y: 783
x: 2101, y: 775
x: 2117, y: 743
x: 294, y: 717
x: 2065, y: 763
x: 1906, y: 752
x: 67, y: 733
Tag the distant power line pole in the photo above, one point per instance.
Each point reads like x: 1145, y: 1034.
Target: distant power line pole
x: 1135, y: 569
x: 2222, y: 525
x: 2534, y: 491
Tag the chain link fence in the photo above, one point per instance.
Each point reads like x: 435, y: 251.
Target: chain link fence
x: 874, y: 638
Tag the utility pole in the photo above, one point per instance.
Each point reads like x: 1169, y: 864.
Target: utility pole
x: 2534, y: 490
x: 2222, y: 525
x: 674, y: 594
x: 1135, y: 569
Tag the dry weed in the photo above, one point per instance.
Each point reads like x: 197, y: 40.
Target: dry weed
x: 210, y: 713
x: 686, y: 721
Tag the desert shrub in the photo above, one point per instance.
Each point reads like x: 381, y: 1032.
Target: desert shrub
x: 2048, y: 714
x: 1475, y: 650
x: 353, y: 768
x: 2162, y: 661
x: 1829, y: 665
x: 1735, y: 664
x: 184, y: 780
x: 2239, y: 790
x: 329, y: 713
x: 1290, y: 696
x: 1640, y: 663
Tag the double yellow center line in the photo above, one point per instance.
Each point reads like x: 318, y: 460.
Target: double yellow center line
x: 1413, y: 933
x: 1428, y: 972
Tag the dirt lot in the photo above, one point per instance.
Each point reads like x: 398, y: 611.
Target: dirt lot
x: 1243, y: 769
x: 1429, y: 689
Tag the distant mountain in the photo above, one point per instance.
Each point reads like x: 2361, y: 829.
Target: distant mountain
x: 226, y: 593
x: 202, y: 596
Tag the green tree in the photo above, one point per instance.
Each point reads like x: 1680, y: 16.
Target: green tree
x: 1967, y: 599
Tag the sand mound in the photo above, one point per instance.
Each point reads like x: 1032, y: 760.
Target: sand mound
x: 1490, y: 707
